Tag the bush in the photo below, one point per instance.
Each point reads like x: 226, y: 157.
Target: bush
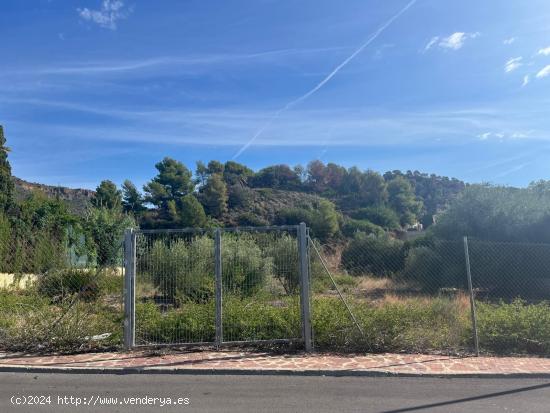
x: 181, y: 270
x: 440, y: 265
x: 249, y: 219
x: 322, y: 218
x: 377, y: 256
x: 60, y: 284
x: 184, y: 270
x: 245, y: 269
x: 283, y: 252
x: 510, y: 270
x: 382, y: 216
x: 352, y: 226
x: 239, y: 196
x: 105, y: 230
x: 517, y: 327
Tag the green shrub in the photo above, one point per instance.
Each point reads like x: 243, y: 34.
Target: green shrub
x: 321, y: 218
x: 511, y: 270
x: 181, y: 270
x: 382, y: 216
x: 517, y: 327
x: 249, y: 219
x: 184, y: 270
x: 245, y: 268
x: 351, y: 227
x: 64, y: 283
x: 377, y: 256
x: 440, y: 265
x: 283, y: 252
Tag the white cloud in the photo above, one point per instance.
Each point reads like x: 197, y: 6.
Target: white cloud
x: 545, y: 51
x: 525, y: 80
x: 503, y: 135
x: 431, y: 43
x: 111, y: 11
x: 544, y: 72
x: 509, y: 41
x: 513, y: 64
x: 453, y: 42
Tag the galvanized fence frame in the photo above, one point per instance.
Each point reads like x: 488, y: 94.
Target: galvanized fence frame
x: 304, y: 283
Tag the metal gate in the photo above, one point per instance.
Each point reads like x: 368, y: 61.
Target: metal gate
x: 217, y: 286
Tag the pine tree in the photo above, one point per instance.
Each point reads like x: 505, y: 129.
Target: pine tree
x: 214, y: 196
x: 107, y: 196
x: 132, y: 200
x: 192, y: 212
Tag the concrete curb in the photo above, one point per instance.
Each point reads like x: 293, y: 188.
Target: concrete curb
x: 259, y: 372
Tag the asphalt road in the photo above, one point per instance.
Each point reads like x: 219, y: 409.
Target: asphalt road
x: 268, y: 394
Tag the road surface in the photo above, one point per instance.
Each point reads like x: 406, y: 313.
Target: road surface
x: 206, y: 393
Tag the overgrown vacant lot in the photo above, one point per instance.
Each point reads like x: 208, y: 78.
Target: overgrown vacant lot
x: 67, y: 310
x: 60, y: 315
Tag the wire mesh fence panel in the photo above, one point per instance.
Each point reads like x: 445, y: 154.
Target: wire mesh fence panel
x: 174, y: 287
x: 260, y: 284
x: 512, y: 288
x: 400, y: 298
x: 52, y: 298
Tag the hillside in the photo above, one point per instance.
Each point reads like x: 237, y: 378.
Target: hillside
x: 77, y: 199
x: 264, y: 204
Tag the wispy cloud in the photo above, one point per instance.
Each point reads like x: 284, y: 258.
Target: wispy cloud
x: 513, y: 64
x: 106, y: 67
x: 545, y: 51
x: 231, y: 127
x: 108, y: 15
x: 505, y: 135
x: 544, y: 72
x: 525, y: 81
x: 433, y: 41
x: 453, y: 42
x: 488, y: 135
x: 294, y: 102
x: 509, y: 40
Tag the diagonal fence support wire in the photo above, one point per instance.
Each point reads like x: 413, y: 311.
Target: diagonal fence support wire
x: 336, y: 287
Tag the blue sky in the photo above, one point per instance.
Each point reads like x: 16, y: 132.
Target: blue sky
x: 95, y: 89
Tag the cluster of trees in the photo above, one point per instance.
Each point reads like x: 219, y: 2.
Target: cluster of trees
x: 350, y: 199
x: 509, y: 244
x: 346, y: 201
x: 40, y: 233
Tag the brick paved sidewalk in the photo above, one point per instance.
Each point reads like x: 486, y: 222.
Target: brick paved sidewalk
x: 264, y: 363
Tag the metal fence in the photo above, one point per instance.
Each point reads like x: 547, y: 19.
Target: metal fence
x: 276, y: 285
x: 434, y: 295
x: 53, y: 300
x: 221, y: 286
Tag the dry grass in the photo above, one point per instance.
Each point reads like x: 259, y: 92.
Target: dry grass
x: 461, y: 300
x: 366, y: 283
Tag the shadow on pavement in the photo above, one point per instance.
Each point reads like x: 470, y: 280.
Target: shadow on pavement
x: 468, y: 399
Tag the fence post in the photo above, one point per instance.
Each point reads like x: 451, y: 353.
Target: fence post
x: 219, y: 298
x: 472, y: 300
x: 129, y: 288
x: 304, y: 286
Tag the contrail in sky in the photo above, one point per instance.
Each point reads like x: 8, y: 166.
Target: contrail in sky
x: 323, y: 82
